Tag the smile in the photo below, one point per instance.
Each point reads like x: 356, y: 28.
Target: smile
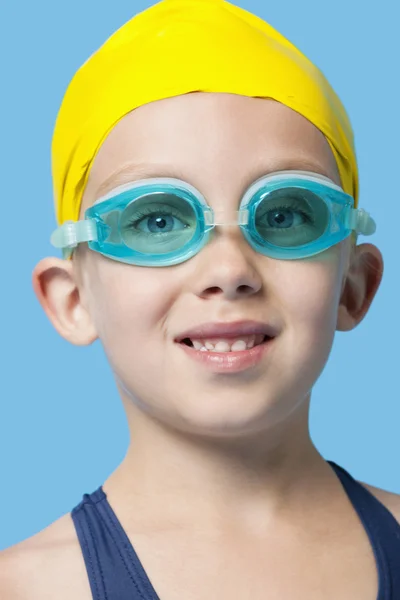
x: 228, y: 355
x: 216, y: 345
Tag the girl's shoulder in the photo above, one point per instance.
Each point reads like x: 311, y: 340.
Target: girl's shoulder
x: 46, y: 565
x: 50, y: 563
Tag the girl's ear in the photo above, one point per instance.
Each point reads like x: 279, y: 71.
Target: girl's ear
x: 56, y: 287
x: 360, y: 286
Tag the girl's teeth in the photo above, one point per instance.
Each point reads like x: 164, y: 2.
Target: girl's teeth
x: 228, y: 345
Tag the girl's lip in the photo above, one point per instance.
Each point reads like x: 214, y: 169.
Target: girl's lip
x: 229, y: 362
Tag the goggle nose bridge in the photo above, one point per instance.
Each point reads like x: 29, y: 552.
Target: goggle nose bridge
x: 225, y: 218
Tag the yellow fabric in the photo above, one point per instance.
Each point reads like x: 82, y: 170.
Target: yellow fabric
x: 181, y: 46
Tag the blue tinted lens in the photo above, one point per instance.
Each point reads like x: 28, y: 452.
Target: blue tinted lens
x: 158, y: 223
x: 291, y: 217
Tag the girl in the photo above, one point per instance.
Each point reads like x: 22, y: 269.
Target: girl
x: 206, y: 194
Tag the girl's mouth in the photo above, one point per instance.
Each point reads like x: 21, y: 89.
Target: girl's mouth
x: 232, y: 355
x: 226, y: 345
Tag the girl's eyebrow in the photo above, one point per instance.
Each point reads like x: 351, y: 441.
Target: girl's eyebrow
x: 134, y: 171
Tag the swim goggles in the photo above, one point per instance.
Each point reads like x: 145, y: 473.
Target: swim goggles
x: 165, y: 221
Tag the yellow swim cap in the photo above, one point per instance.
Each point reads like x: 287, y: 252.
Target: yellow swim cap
x: 181, y: 46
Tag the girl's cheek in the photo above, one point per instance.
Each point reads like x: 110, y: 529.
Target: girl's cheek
x: 128, y: 303
x: 310, y: 291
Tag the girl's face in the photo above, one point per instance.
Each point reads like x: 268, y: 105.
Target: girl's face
x: 219, y: 143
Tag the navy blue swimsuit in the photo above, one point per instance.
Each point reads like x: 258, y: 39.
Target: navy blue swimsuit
x: 115, y: 571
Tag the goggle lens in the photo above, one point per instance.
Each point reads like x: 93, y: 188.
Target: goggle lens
x: 156, y: 223
x: 291, y: 217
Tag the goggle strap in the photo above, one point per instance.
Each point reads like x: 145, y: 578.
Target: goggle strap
x: 360, y: 221
x: 71, y: 233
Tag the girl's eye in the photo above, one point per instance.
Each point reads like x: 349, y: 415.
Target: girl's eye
x: 283, y: 218
x: 159, y: 223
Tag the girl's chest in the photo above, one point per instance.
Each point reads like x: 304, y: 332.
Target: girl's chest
x: 179, y: 567
x: 275, y: 569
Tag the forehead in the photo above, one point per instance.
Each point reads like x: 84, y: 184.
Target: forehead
x: 220, y: 141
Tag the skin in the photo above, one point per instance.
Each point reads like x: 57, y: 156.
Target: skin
x: 226, y: 451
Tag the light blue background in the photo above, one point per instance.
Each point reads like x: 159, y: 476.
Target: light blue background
x: 62, y: 428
